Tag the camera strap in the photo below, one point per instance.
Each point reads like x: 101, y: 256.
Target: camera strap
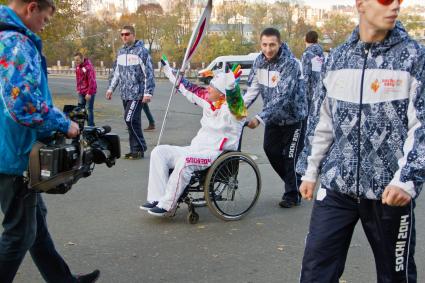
x: 4, y: 26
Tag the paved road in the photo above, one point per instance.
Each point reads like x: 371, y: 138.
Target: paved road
x: 98, y: 224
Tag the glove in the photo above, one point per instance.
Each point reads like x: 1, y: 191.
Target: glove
x: 237, y: 72
x: 167, y: 70
x: 230, y: 81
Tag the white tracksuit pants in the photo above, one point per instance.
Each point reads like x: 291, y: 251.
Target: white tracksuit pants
x: 165, y: 188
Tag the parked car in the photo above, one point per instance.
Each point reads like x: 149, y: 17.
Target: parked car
x: 220, y: 63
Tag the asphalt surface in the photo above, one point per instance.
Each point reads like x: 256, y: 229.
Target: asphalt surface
x: 98, y: 223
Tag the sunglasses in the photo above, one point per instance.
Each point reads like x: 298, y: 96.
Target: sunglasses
x: 125, y: 33
x: 388, y: 2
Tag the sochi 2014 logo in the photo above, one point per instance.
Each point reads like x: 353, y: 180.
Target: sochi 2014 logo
x: 388, y: 85
x: 375, y: 86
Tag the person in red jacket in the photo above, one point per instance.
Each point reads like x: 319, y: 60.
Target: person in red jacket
x: 86, y: 84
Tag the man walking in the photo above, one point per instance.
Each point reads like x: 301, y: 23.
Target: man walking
x: 134, y: 75
x: 86, y: 84
x: 27, y: 114
x: 276, y: 76
x: 365, y: 139
x: 312, y: 61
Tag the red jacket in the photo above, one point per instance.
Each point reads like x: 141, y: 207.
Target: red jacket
x: 86, y: 78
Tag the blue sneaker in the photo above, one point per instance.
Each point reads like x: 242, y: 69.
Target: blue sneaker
x: 148, y: 205
x: 157, y: 211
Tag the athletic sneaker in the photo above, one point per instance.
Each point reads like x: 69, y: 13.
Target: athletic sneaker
x: 157, y: 211
x: 148, y: 205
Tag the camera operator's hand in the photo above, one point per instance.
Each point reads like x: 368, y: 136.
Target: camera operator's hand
x: 73, y: 130
x: 108, y: 95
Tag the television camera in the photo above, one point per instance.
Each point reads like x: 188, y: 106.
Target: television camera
x: 57, y: 163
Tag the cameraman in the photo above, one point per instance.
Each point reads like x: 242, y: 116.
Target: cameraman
x: 27, y: 114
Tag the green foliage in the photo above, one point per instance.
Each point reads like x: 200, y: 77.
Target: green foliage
x: 61, y: 29
x: 169, y: 33
x: 337, y: 28
x: 257, y: 14
x: 412, y: 23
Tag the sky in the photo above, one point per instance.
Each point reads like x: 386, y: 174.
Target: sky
x: 327, y: 3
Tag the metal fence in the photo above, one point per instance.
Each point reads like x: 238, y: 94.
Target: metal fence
x: 106, y: 72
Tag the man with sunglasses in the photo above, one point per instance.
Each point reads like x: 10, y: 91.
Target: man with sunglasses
x: 27, y: 114
x: 133, y: 73
x: 365, y: 139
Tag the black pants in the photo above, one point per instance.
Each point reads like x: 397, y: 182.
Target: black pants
x: 132, y: 117
x: 282, y: 145
x: 25, y: 229
x: 390, y: 232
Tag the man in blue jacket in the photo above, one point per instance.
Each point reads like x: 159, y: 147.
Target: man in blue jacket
x: 133, y: 74
x: 365, y: 139
x: 26, y: 114
x: 312, y: 61
x: 276, y: 76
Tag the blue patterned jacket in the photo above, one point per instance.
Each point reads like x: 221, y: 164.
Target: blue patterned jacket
x: 280, y: 84
x: 26, y: 109
x: 391, y: 148
x: 133, y: 72
x: 312, y: 61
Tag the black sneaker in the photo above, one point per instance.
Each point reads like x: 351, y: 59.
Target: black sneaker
x: 288, y: 203
x: 135, y: 155
x: 88, y: 278
x: 148, y: 205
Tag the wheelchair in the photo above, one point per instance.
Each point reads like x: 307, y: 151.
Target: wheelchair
x: 230, y: 187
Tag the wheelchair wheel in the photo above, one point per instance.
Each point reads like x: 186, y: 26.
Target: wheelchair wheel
x: 193, y: 217
x: 232, y: 186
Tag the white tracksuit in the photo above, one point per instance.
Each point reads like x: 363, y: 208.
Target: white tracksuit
x: 220, y: 130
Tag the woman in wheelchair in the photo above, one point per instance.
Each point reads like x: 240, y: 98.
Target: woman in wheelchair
x: 223, y: 118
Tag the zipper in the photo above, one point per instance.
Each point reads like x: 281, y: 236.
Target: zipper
x: 359, y: 120
x: 268, y: 82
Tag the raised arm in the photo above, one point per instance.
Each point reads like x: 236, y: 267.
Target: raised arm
x: 194, y: 93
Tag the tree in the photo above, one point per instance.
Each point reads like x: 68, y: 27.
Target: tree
x: 62, y: 27
x: 257, y: 14
x: 296, y: 43
x: 149, y: 18
x: 282, y: 13
x: 412, y: 22
x: 337, y: 28
x: 176, y: 30
x: 225, y: 12
x: 96, y: 43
